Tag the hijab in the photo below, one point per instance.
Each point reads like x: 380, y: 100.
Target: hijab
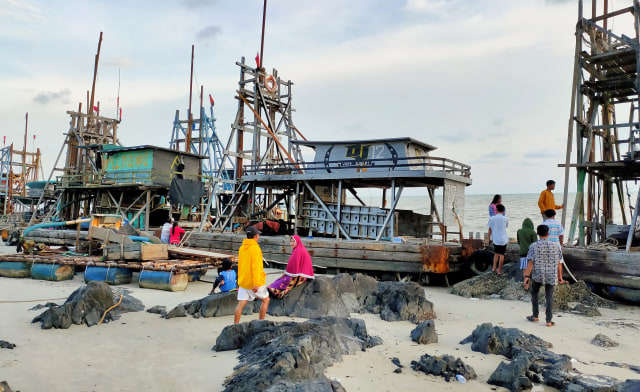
x: 300, y: 261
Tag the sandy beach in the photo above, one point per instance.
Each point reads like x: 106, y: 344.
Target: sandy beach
x: 142, y: 351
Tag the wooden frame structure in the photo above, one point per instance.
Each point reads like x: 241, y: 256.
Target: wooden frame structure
x: 606, y: 83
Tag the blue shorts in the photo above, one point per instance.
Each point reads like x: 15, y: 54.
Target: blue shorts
x: 523, y: 262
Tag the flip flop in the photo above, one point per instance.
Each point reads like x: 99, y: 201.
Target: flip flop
x: 551, y: 324
x: 533, y: 319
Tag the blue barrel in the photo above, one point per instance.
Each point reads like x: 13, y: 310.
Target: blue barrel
x: 15, y: 269
x: 163, y: 280
x: 50, y: 271
x: 109, y: 275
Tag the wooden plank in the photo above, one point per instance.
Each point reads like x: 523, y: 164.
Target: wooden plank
x: 107, y: 235
x: 154, y: 251
x: 365, y: 254
x: 173, y: 250
x: 370, y: 265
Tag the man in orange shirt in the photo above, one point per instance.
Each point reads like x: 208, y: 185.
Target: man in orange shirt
x: 547, y: 201
x: 251, y: 276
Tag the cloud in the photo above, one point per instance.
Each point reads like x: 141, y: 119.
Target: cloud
x: 49, y: 96
x: 492, y: 156
x: 121, y: 62
x: 199, y: 3
x: 541, y: 154
x: 209, y: 32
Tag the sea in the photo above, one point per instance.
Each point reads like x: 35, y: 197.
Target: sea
x: 476, y: 212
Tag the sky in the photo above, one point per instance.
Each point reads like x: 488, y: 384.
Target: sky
x: 487, y: 82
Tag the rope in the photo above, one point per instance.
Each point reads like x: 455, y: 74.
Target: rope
x: 607, y: 244
x: 32, y: 300
x: 107, y: 311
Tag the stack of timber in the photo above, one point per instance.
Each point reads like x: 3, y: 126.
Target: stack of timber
x: 413, y: 255
x: 57, y: 237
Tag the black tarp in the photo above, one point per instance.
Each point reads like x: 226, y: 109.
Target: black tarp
x: 186, y: 192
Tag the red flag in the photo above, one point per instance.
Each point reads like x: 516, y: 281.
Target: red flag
x: 211, y: 100
x: 95, y: 108
x: 34, y: 137
x: 4, y: 140
x: 120, y: 115
x: 258, y: 59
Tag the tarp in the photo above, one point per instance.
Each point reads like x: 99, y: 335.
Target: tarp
x: 186, y: 192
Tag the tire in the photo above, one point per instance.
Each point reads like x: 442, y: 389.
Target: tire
x: 481, y: 261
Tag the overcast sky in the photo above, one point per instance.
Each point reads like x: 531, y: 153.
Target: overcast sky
x: 487, y: 82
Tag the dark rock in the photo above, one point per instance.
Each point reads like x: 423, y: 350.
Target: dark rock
x: 178, y: 311
x: 445, y: 366
x: 158, y: 309
x: 5, y: 344
x: 532, y: 361
x: 277, y: 356
x: 604, y: 341
x: 497, y: 340
x: 396, y: 362
x: 4, y: 387
x: 88, y: 305
x: 337, y: 296
x: 585, y: 310
x: 425, y: 333
x: 629, y: 386
x: 398, y: 370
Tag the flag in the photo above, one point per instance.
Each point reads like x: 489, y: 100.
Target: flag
x: 4, y: 140
x: 258, y: 59
x: 34, y: 137
x: 211, y: 100
x: 120, y: 119
x: 95, y: 108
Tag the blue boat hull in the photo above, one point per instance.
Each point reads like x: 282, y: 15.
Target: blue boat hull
x: 54, y: 272
x: 109, y: 275
x: 163, y: 280
x: 15, y: 269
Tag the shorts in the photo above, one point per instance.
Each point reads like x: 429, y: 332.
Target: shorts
x: 523, y: 262
x: 500, y: 249
x: 249, y: 295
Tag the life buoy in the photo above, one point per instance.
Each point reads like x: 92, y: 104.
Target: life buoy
x: 270, y: 84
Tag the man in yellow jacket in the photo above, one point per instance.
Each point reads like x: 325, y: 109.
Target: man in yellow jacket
x: 547, y: 201
x: 251, y: 276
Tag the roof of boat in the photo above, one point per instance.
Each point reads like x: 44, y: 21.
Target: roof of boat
x: 311, y: 143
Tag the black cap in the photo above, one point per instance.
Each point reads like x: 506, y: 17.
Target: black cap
x: 252, y: 231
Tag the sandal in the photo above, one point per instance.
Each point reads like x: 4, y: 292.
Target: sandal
x: 551, y: 324
x: 533, y: 319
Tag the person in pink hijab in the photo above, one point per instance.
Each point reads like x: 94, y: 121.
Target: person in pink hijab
x: 299, y: 269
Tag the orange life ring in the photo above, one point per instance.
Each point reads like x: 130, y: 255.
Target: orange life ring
x: 270, y: 84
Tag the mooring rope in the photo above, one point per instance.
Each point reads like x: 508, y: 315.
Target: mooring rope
x: 107, y: 311
x: 32, y: 300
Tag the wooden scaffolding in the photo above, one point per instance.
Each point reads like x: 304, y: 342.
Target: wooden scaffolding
x: 607, y: 151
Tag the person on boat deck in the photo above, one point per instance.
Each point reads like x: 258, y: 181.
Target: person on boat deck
x: 227, y: 278
x: 176, y: 232
x: 556, y: 232
x: 544, y: 268
x: 546, y: 201
x: 526, y: 236
x: 251, y: 276
x: 498, y: 235
x: 497, y: 199
x: 165, y: 234
x: 299, y: 269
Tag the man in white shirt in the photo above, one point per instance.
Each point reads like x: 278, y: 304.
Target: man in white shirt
x: 166, y: 231
x: 498, y: 235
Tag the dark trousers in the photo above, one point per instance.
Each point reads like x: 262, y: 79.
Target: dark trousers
x: 548, y: 296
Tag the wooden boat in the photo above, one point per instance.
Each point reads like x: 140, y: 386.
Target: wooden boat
x: 15, y: 269
x: 52, y: 271
x: 110, y: 275
x: 163, y: 280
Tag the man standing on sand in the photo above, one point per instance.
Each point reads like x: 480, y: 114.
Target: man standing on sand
x: 546, y: 200
x: 251, y: 276
x: 498, y: 234
x: 544, y: 267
